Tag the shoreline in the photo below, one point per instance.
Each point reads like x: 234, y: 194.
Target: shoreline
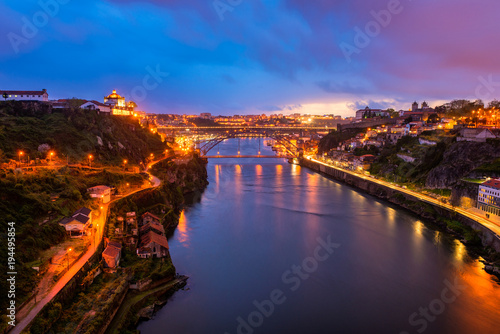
x: 489, y: 249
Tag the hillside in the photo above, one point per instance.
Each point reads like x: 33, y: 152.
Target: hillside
x: 72, y: 134
x: 36, y: 200
x: 440, y: 166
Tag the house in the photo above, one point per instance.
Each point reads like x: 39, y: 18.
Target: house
x: 25, y: 95
x: 152, y: 245
x: 477, y: 135
x: 78, y: 222
x: 101, y: 192
x: 95, y: 105
x: 370, y: 113
x: 112, y: 254
x: 152, y: 226
x: 488, y: 199
x: 149, y: 217
x: 130, y: 218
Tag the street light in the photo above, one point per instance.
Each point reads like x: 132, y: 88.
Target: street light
x: 50, y: 156
x: 20, y: 153
x: 90, y: 160
x: 69, y: 250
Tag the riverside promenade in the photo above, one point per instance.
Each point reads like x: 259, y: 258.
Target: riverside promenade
x: 490, y: 229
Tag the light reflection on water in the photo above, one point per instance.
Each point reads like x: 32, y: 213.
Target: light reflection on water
x: 258, y: 218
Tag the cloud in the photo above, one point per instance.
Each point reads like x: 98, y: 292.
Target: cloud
x: 280, y: 55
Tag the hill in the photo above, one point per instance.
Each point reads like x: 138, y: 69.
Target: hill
x: 72, y: 134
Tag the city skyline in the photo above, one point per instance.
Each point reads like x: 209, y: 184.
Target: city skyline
x: 253, y: 58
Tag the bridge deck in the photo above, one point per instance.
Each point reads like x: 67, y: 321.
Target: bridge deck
x: 244, y: 156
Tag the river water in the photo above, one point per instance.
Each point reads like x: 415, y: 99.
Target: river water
x: 276, y: 248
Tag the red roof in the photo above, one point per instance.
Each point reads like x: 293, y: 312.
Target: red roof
x: 111, y: 252
x: 493, y: 183
x: 151, y: 215
x: 23, y: 92
x: 151, y: 236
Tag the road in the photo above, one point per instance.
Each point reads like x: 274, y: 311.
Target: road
x: 99, y: 222
x: 491, y: 225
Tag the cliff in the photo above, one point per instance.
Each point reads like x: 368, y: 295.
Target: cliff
x: 461, y: 160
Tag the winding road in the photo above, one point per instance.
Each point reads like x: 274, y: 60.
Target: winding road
x: 75, y: 268
x: 491, y: 225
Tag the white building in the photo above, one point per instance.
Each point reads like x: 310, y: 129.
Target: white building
x: 95, y: 105
x: 100, y: 192
x: 25, y: 95
x: 488, y: 199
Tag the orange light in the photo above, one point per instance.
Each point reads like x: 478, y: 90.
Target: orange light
x: 70, y: 249
x: 90, y: 156
x: 21, y: 152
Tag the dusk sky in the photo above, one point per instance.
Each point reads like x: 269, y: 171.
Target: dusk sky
x: 253, y: 56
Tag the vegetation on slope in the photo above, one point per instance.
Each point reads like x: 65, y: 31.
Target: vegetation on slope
x: 73, y: 134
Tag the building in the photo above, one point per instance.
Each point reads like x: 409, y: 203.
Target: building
x: 112, y: 254
x: 370, y: 113
x: 152, y: 245
x: 118, y: 105
x: 206, y: 115
x: 114, y: 100
x: 488, y: 199
x: 149, y: 217
x: 25, y: 95
x: 95, y: 105
x: 101, y: 192
x: 78, y: 223
x: 476, y: 134
x: 153, y: 226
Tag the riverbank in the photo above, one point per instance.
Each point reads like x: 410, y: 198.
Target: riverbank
x: 142, y: 304
x: 480, y: 238
x: 83, y: 308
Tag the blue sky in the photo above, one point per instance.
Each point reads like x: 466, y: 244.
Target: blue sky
x: 254, y: 56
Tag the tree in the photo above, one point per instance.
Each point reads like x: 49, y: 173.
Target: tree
x: 494, y: 104
x: 5, y: 96
x: 433, y: 118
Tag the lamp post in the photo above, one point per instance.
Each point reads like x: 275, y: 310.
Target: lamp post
x: 69, y: 250
x: 20, y: 154
x: 125, y: 164
x: 90, y: 160
x: 50, y: 156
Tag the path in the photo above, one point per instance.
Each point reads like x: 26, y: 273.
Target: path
x: 75, y: 268
x: 489, y: 224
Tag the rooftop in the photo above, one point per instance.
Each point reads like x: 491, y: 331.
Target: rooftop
x: 493, y: 183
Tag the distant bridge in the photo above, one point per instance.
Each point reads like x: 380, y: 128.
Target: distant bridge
x: 204, y: 146
x: 260, y: 156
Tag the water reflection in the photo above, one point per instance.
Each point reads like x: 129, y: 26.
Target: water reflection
x: 267, y: 217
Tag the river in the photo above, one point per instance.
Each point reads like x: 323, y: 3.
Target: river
x: 275, y: 248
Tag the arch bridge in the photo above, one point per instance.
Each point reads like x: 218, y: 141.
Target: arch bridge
x: 205, y: 146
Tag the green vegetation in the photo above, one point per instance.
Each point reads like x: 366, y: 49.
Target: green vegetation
x: 489, y: 168
x: 469, y: 234
x: 334, y: 138
x: 390, y: 166
x: 37, y: 202
x: 88, y: 312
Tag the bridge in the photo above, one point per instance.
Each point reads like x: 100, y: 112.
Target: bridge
x: 260, y: 156
x: 206, y: 145
x: 242, y: 127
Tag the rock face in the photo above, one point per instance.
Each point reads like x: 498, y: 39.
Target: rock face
x: 459, y: 161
